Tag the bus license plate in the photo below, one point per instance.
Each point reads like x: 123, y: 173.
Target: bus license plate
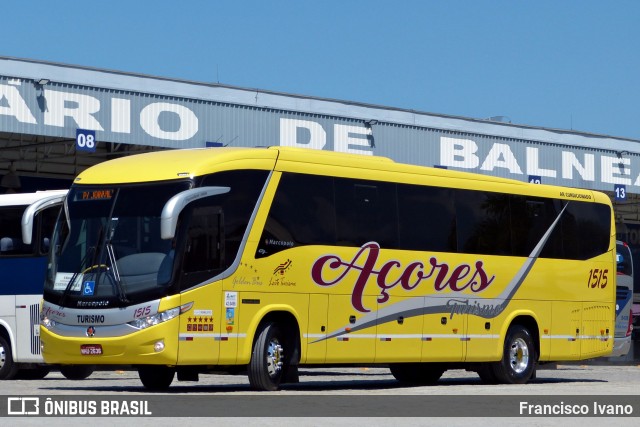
x: 90, y: 349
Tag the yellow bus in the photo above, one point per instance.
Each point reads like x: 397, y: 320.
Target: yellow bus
x: 266, y: 259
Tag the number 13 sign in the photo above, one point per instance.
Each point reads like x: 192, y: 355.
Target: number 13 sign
x: 620, y: 192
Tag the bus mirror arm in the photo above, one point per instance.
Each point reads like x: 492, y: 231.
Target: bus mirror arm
x: 30, y: 213
x: 176, y: 204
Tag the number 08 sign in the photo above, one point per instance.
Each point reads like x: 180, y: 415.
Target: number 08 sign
x: 86, y: 140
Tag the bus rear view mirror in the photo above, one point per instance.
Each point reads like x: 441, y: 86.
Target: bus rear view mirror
x: 175, y: 205
x: 33, y: 209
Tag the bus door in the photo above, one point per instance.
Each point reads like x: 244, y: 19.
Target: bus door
x: 202, y: 249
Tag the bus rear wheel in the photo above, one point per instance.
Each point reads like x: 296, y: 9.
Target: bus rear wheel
x: 8, y: 368
x: 156, y: 377
x: 417, y: 373
x: 518, y: 357
x: 268, y: 358
x: 485, y: 372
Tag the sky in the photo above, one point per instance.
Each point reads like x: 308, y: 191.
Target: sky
x: 570, y: 64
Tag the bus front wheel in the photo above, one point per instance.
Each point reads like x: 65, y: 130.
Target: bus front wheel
x: 156, y: 377
x: 268, y: 358
x: 518, y: 357
x: 8, y: 369
x: 77, y: 372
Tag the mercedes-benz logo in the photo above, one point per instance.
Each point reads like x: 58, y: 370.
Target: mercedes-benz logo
x: 91, y: 331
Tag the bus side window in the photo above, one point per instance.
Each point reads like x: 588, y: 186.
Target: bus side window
x: 623, y: 259
x: 7, y: 245
x: 426, y: 218
x: 366, y: 211
x: 483, y: 221
x: 45, y: 223
x: 554, y: 248
x: 529, y: 222
x: 590, y: 234
x: 238, y: 204
x: 10, y: 235
x: 204, y: 246
x: 302, y: 213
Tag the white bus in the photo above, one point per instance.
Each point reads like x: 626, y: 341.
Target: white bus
x: 624, y: 300
x: 26, y: 225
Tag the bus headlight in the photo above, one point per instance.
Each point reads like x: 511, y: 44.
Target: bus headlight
x: 46, y: 322
x: 155, y: 319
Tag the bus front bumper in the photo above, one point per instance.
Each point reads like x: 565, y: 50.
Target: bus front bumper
x: 156, y: 345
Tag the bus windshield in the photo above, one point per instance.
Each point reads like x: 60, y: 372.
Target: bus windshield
x: 107, y: 249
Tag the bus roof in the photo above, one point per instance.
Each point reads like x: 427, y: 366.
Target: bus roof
x: 175, y: 164
x: 184, y: 163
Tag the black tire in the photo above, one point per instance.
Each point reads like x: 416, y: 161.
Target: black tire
x: 268, y: 361
x: 77, y: 372
x: 519, y: 357
x: 417, y: 373
x: 34, y: 374
x: 156, y: 377
x: 8, y: 369
x: 485, y: 372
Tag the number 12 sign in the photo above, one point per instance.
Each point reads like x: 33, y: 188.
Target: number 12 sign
x: 86, y: 140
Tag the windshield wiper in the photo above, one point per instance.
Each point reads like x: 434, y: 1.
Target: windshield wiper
x: 90, y: 252
x: 103, y: 258
x: 115, y: 273
x: 119, y: 289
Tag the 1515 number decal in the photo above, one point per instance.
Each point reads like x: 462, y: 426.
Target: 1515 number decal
x: 598, y: 278
x: 142, y: 312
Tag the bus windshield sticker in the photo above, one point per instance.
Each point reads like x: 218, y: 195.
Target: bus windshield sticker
x: 62, y: 280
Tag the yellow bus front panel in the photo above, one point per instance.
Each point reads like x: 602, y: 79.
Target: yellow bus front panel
x: 141, y: 347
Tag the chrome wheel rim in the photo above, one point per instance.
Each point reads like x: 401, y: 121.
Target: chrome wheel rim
x: 275, y: 356
x: 3, y: 356
x: 519, y: 356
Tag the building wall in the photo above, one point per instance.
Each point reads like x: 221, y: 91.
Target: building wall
x: 158, y: 112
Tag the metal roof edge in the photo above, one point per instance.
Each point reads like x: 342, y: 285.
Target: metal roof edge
x: 119, y: 80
